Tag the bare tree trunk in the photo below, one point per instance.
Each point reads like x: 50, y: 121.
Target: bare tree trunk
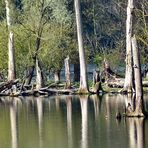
x: 11, y: 53
x: 76, y: 72
x: 83, y: 72
x: 29, y: 75
x: 96, y: 82
x: 139, y: 107
x: 11, y: 58
x: 67, y: 72
x: 39, y: 76
x: 96, y: 77
x: 57, y: 76
x: 128, y: 84
x: 138, y: 110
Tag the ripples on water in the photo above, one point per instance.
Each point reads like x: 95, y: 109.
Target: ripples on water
x: 69, y: 122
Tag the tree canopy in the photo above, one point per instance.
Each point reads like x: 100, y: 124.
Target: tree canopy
x: 47, y: 28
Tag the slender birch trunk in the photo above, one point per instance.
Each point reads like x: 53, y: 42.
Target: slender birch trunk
x: 11, y: 51
x: 83, y: 72
x: 128, y: 84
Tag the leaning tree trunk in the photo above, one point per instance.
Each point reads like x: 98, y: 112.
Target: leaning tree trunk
x: 128, y: 84
x: 29, y: 75
x: 39, y: 76
x: 139, y: 107
x: 83, y: 72
x: 67, y: 72
x: 11, y: 53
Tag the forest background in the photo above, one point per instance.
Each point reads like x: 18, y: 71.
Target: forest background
x: 47, y: 28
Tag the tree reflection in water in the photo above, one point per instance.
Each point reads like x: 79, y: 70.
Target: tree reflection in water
x: 84, y: 124
x: 75, y: 121
x: 69, y: 120
x: 14, y: 121
x: 39, y: 102
x: 135, y: 126
x: 136, y: 132
x: 97, y: 104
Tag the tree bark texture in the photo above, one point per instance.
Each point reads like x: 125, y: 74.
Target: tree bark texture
x: 11, y: 52
x: 67, y: 72
x: 138, y: 77
x: 8, y: 17
x: 83, y: 71
x: 96, y: 82
x: 11, y: 58
x: 128, y: 84
x: 96, y: 77
x: 39, y: 76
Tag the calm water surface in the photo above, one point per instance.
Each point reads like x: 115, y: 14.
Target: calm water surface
x: 70, y: 122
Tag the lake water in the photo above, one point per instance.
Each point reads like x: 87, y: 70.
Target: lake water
x: 70, y: 122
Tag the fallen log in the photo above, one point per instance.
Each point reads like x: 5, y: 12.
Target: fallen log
x: 8, y: 85
x: 116, y: 83
x: 60, y: 91
x: 119, y: 83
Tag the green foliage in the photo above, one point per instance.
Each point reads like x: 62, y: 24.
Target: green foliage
x: 2, y: 10
x: 115, y: 59
x: 52, y: 22
x: 3, y: 47
x: 98, y: 60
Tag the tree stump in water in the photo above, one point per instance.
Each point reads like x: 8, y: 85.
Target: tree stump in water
x: 138, y: 101
x: 67, y: 73
x: 96, y: 81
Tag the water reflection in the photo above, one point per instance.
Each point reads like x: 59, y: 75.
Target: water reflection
x: 57, y: 103
x: 97, y: 104
x: 84, y: 124
x: 14, y: 122
x: 69, y: 122
x: 39, y: 102
x: 129, y: 99
x: 136, y: 132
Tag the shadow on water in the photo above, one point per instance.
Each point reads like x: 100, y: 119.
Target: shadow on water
x: 70, y: 122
